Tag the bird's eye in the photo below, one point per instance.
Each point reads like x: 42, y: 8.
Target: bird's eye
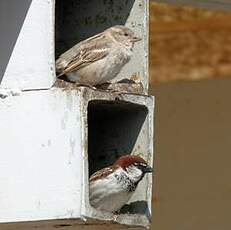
x: 126, y: 34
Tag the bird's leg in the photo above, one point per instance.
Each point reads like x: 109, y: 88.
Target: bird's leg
x: 118, y: 96
x: 115, y: 216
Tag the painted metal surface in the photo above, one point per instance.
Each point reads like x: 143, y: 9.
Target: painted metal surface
x: 45, y: 155
x: 12, y: 17
x: 44, y: 143
x: 40, y: 166
x: 140, y: 204
x: 31, y: 65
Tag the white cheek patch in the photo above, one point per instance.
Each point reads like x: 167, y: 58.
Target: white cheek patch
x: 134, y: 173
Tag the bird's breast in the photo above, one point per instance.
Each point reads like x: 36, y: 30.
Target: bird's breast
x: 108, y: 194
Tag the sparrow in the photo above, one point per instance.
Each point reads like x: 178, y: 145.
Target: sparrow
x: 110, y: 188
x: 98, y: 59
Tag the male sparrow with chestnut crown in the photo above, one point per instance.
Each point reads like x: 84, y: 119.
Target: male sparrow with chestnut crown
x: 111, y: 187
x: 98, y: 59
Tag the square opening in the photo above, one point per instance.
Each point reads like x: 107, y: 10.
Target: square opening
x: 116, y: 128
x: 77, y: 20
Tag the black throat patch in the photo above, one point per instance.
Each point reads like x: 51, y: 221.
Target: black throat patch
x: 127, y: 184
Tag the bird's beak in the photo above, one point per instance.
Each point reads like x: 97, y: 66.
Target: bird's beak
x: 136, y: 39
x: 148, y: 169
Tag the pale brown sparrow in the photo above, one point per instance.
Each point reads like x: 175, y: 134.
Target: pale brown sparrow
x: 98, y: 59
x: 110, y: 188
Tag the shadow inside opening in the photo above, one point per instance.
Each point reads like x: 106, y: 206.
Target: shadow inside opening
x: 113, y: 129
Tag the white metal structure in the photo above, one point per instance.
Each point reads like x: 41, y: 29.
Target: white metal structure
x: 48, y: 134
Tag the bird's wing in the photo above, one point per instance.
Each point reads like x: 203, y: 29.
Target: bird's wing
x: 84, y: 53
x: 102, y: 173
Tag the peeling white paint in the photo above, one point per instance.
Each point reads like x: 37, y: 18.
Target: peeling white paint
x: 9, y: 92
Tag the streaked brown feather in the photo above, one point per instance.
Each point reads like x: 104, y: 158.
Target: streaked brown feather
x: 102, y: 173
x: 83, y: 53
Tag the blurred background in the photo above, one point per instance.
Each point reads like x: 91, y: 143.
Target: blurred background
x: 190, y: 69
